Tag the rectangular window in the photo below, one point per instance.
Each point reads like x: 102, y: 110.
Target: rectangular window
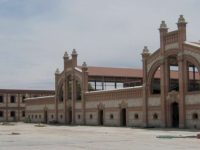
x: 1, y: 113
x: 23, y: 113
x: 1, y: 99
x: 12, y: 99
x: 23, y: 97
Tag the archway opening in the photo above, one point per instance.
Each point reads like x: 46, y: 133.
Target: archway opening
x: 78, y: 90
x: 175, y: 114
x: 123, y: 116
x: 69, y: 87
x: 193, y: 77
x: 101, y: 117
x: 61, y: 94
x: 155, y: 84
x: 173, y: 73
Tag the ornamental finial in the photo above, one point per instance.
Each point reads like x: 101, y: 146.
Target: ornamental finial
x: 66, y: 55
x: 57, y: 71
x: 84, y: 65
x: 74, y: 52
x: 163, y: 25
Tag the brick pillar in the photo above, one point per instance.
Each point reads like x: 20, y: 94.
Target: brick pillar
x: 182, y: 70
x: 65, y: 87
x: 163, y: 31
x: 57, y: 73
x: 84, y: 88
x: 74, y: 64
x: 145, y: 54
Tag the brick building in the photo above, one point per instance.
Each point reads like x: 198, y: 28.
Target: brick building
x: 168, y: 95
x: 12, y: 104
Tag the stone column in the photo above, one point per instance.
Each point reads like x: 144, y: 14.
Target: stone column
x: 163, y: 31
x: 84, y: 88
x: 145, y: 54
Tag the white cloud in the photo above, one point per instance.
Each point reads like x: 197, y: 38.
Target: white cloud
x: 104, y: 32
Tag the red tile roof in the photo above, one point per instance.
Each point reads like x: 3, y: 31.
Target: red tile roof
x: 117, y: 72
x: 128, y: 72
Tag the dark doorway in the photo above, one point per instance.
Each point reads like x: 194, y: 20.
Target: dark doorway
x: 100, y: 117
x: 70, y: 115
x: 45, y: 117
x: 175, y: 115
x: 123, y: 114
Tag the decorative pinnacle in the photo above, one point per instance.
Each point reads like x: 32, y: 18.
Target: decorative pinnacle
x: 66, y: 55
x: 145, y: 50
x: 57, y: 71
x: 84, y: 65
x: 181, y: 19
x: 26, y: 95
x: 163, y: 25
x: 74, y: 52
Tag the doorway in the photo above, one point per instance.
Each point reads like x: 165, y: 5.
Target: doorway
x: 123, y: 115
x: 100, y: 117
x: 45, y: 117
x: 175, y: 114
x: 70, y: 115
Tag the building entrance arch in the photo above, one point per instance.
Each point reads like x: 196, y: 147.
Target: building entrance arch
x: 101, y: 121
x: 70, y: 115
x: 175, y: 114
x: 123, y: 117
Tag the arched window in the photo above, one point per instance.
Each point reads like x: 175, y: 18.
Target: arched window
x: 78, y: 90
x: 155, y: 116
x: 136, y: 116
x: 173, y: 73
x: 91, y: 116
x: 195, y: 116
x: 69, y: 87
x: 61, y: 94
x: 79, y: 116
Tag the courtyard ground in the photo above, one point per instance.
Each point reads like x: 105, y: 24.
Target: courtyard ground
x: 93, y: 138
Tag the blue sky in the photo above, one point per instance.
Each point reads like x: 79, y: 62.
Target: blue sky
x: 34, y: 34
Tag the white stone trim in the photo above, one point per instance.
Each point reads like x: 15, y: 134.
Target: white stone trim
x: 76, y: 68
x: 171, y: 46
x: 43, y: 97
x: 192, y: 44
x: 68, y: 69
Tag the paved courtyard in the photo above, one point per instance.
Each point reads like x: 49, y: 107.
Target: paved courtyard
x: 93, y: 138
